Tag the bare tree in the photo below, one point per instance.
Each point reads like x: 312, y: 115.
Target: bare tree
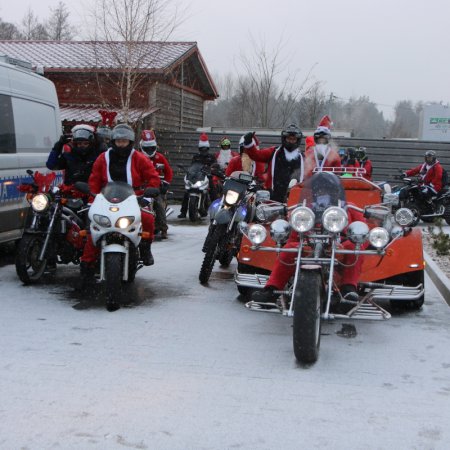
x: 122, y: 31
x: 275, y: 90
x: 32, y: 29
x: 59, y: 28
x: 8, y: 31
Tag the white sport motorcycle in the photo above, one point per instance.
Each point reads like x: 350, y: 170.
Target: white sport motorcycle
x: 116, y: 227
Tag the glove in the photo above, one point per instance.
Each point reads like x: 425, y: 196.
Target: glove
x: 403, y: 175
x: 60, y: 143
x: 248, y: 137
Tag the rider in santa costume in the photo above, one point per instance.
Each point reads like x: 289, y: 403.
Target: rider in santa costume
x: 123, y: 163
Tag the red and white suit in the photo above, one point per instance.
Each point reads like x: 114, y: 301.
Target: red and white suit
x: 235, y: 164
x: 166, y: 172
x: 431, y: 175
x: 140, y: 174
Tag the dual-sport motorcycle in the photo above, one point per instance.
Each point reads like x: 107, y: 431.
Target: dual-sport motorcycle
x: 116, y: 227
x: 321, y: 224
x: 240, y: 195
x: 52, y: 235
x: 409, y: 196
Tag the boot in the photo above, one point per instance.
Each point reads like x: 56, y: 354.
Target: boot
x: 348, y: 292
x: 164, y: 234
x: 265, y: 295
x: 146, y: 253
x: 182, y: 215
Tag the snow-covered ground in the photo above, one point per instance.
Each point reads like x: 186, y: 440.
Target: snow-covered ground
x: 189, y: 367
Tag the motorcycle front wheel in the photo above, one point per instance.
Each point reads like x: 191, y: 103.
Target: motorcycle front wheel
x: 29, y: 269
x: 211, y: 251
x: 193, y: 210
x: 113, y: 279
x: 307, y: 321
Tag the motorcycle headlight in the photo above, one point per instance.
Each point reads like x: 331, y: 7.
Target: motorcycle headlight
x: 198, y: 184
x: 334, y: 219
x: 40, y: 202
x: 124, y: 222
x: 257, y: 234
x: 231, y: 197
x: 103, y: 221
x: 279, y: 230
x: 378, y: 237
x: 404, y: 217
x: 358, y: 232
x: 302, y: 219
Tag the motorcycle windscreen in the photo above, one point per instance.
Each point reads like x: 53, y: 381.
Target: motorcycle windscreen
x: 322, y: 190
x: 117, y: 191
x: 194, y: 173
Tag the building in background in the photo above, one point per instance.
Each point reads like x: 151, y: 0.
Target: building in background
x: 435, y: 123
x: 174, y: 81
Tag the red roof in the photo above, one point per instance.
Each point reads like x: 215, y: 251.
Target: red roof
x: 75, y: 55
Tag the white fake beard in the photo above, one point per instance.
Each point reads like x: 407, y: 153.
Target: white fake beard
x: 290, y: 156
x: 321, y: 150
x: 224, y: 157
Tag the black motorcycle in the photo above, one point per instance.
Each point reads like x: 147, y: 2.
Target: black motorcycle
x: 53, y: 233
x: 237, y: 204
x: 410, y: 196
x: 196, y: 184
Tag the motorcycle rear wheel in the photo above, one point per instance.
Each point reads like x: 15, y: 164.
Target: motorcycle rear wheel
x: 307, y: 321
x: 113, y: 279
x: 210, y: 255
x: 28, y: 268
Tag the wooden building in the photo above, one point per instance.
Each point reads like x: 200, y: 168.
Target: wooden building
x: 170, y: 81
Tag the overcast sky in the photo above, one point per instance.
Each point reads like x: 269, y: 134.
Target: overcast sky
x: 388, y: 50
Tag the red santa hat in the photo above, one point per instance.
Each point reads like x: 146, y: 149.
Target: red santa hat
x: 148, y: 138
x: 326, y: 122
x: 204, y: 141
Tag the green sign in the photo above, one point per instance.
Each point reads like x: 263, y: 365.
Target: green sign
x: 439, y: 120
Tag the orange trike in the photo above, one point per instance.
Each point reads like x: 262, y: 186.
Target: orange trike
x: 312, y: 227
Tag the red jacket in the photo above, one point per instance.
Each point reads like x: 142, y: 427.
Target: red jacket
x: 140, y: 172
x: 431, y: 176
x: 258, y: 168
x: 165, y: 173
x: 367, y: 165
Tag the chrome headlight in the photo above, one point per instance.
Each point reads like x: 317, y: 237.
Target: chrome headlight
x: 103, y: 221
x: 40, y: 202
x: 231, y: 197
x: 358, y: 232
x: 198, y: 184
x: 124, y: 222
x: 404, y: 217
x: 302, y: 219
x: 378, y: 237
x: 279, y: 230
x: 334, y: 219
x: 257, y: 234
x: 396, y: 232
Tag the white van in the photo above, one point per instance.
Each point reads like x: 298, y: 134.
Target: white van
x: 29, y: 126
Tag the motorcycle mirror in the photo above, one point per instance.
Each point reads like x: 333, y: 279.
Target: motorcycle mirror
x: 82, y: 187
x: 30, y: 172
x: 151, y: 192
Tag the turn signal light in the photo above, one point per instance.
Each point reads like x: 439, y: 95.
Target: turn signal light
x: 245, y: 249
x: 83, y: 233
x: 145, y: 235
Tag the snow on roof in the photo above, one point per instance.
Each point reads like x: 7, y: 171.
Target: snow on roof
x: 76, y: 55
x: 90, y: 113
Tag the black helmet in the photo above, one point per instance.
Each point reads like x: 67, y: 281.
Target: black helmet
x: 291, y: 130
x: 430, y: 157
x: 361, y: 154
